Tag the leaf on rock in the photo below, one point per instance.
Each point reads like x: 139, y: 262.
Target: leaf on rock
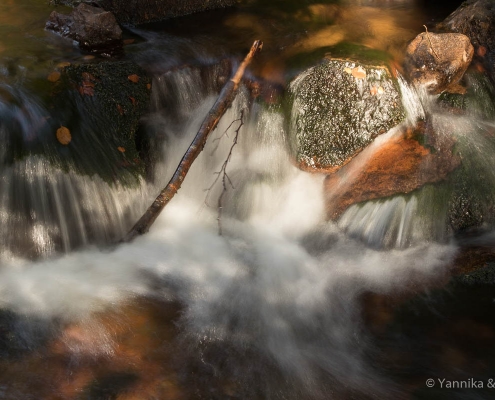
x: 133, y: 78
x: 54, y: 76
x: 121, y: 149
x: 63, y: 135
x: 359, y: 72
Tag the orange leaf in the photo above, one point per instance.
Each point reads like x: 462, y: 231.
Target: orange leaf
x: 358, y: 73
x: 148, y: 86
x: 373, y: 90
x: 121, y: 149
x: 63, y: 135
x: 481, y: 51
x: 54, y: 76
x: 129, y: 41
x: 133, y: 78
x: 133, y: 100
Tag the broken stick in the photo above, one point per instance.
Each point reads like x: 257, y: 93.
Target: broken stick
x: 223, y: 102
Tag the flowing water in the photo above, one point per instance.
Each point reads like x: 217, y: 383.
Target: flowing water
x: 284, y: 304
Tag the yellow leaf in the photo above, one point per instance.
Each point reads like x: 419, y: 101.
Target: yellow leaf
x: 63, y: 135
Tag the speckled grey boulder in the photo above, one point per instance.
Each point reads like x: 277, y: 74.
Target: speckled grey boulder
x: 338, y: 108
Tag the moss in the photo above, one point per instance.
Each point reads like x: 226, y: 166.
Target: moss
x: 101, y: 107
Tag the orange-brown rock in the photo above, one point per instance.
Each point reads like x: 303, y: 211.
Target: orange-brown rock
x: 395, y: 164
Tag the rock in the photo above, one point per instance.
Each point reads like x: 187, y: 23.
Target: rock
x: 93, y: 28
x: 407, y: 161
x: 338, y: 108
x: 143, y: 11
x: 438, y: 61
x: 102, y: 108
x: 476, y: 19
x: 478, y: 101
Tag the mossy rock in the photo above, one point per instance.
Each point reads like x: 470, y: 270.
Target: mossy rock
x: 338, y: 108
x: 101, y: 106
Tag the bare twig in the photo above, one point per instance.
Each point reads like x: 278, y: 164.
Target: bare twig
x: 223, y: 173
x: 431, y: 45
x: 223, y: 102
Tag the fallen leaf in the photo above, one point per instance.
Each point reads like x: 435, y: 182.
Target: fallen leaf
x: 148, y: 86
x: 129, y: 41
x: 133, y: 100
x: 121, y: 149
x: 120, y: 109
x: 63, y: 135
x: 358, y: 73
x: 481, y: 51
x: 348, y: 70
x: 88, y: 57
x: 381, y: 90
x: 86, y: 89
x: 133, y: 78
x: 54, y: 76
x: 373, y: 90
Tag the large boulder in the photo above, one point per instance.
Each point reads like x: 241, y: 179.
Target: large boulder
x: 403, y: 163
x: 93, y: 28
x: 143, y: 11
x: 438, y: 61
x: 338, y: 108
x: 476, y: 19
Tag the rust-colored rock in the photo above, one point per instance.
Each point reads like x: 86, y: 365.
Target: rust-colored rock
x: 401, y: 164
x: 438, y: 61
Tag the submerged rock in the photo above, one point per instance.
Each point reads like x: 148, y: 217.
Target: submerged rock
x: 95, y: 29
x: 405, y: 162
x: 338, y: 108
x: 476, y: 19
x: 438, y: 61
x: 143, y: 11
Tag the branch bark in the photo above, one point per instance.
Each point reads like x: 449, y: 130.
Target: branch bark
x: 223, y: 102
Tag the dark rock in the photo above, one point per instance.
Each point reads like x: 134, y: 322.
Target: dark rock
x: 438, y: 61
x: 93, y: 28
x: 102, y: 104
x: 338, y: 108
x: 478, y: 101
x: 143, y: 11
x: 405, y: 162
x: 476, y: 19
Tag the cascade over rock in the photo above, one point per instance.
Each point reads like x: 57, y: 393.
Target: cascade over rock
x: 408, y: 160
x: 338, y: 108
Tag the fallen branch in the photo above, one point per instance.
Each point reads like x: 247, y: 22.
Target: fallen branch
x: 223, y: 102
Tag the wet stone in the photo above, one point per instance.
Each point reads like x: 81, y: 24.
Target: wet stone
x: 95, y: 29
x: 438, y: 61
x: 338, y: 108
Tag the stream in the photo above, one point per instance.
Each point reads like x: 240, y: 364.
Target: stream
x: 284, y: 304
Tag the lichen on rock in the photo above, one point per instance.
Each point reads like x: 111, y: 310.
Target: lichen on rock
x: 338, y: 108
